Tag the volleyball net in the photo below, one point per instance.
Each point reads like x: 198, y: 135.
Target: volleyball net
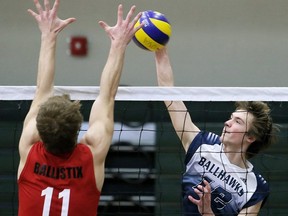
x: 145, y: 163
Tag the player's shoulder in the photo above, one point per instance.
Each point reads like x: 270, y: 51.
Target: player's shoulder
x: 206, y: 137
x: 262, y: 183
x: 203, y: 139
x: 81, y: 147
x: 260, y: 179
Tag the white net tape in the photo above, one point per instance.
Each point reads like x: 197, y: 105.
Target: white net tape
x: 157, y: 93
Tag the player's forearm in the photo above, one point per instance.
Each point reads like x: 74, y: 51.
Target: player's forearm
x: 46, y: 65
x: 112, y: 71
x: 164, y: 72
x: 164, y: 68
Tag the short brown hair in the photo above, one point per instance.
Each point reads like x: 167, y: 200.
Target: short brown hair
x: 262, y: 127
x: 58, y: 123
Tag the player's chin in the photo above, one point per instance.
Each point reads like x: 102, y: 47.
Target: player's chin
x: 222, y: 137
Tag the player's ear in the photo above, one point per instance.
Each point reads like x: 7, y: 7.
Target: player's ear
x: 250, y: 138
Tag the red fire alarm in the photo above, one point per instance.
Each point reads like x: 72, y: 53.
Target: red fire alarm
x: 78, y: 46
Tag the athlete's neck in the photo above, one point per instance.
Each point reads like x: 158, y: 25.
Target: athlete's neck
x: 235, y: 157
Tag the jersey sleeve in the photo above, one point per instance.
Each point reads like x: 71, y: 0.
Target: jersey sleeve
x: 261, y: 193
x: 203, y: 137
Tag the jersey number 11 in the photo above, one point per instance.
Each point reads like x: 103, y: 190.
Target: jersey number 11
x: 48, y: 192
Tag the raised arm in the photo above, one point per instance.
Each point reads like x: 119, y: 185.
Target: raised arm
x: 180, y: 117
x: 50, y: 25
x: 101, y: 120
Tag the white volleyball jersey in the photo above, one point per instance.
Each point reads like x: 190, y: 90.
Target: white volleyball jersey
x: 233, y: 188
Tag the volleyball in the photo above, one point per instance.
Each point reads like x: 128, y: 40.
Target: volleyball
x: 155, y: 32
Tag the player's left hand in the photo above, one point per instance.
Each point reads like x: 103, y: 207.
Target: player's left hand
x: 204, y: 203
x: 124, y: 29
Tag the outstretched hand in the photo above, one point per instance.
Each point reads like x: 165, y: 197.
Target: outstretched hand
x: 204, y: 203
x: 124, y: 29
x: 47, y: 18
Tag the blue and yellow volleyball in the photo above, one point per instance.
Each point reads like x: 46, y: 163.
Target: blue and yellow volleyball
x: 155, y: 33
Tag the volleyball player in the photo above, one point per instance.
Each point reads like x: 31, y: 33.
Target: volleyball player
x: 56, y: 176
x: 219, y: 179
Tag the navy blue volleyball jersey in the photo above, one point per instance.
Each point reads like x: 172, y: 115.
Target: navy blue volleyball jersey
x: 232, y: 188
